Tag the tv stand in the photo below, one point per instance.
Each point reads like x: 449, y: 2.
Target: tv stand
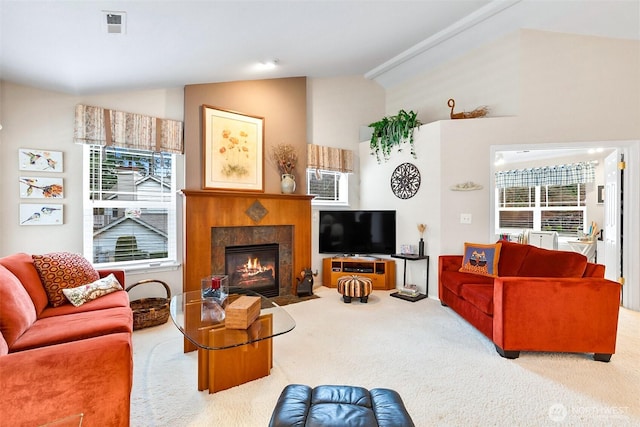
x: 382, y: 272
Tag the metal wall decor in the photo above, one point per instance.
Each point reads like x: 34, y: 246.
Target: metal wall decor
x: 405, y: 181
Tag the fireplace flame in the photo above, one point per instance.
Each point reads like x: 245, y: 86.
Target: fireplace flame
x: 253, y: 266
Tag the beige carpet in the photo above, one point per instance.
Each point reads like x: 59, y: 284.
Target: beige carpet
x: 447, y: 373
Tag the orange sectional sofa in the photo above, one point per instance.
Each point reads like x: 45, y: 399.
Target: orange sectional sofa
x: 541, y: 300
x: 59, y: 362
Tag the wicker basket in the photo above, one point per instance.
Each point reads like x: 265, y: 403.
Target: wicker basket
x: 150, y: 311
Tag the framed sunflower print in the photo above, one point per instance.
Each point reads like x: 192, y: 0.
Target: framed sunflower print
x: 232, y: 150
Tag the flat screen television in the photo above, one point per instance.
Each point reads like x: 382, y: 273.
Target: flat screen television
x: 357, y: 232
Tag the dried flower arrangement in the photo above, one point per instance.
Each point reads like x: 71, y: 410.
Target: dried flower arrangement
x: 422, y: 228
x: 285, y: 158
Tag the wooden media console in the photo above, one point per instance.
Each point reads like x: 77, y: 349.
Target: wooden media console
x: 382, y: 272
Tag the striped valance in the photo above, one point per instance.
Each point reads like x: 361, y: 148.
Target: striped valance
x: 100, y: 126
x: 329, y: 158
x: 575, y: 173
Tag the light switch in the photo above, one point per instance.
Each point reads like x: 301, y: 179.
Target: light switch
x: 465, y: 218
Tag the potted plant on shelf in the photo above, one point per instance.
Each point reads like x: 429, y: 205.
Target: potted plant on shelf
x: 285, y: 158
x: 392, y: 131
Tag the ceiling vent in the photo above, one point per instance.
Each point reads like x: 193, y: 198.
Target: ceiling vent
x: 114, y: 22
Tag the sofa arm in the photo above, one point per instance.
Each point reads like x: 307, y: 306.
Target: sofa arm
x: 449, y: 262
x: 556, y: 314
x: 91, y: 376
x: 118, y: 273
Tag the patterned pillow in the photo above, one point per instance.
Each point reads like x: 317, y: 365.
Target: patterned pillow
x: 85, y: 293
x: 63, y: 270
x: 481, y: 259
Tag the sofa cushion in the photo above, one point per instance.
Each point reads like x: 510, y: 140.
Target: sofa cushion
x: 115, y: 299
x: 89, y: 292
x: 551, y: 263
x: 511, y: 257
x: 74, y: 327
x: 480, y: 295
x: 17, y: 312
x: 453, y: 280
x: 63, y: 270
x: 21, y: 265
x: 594, y: 270
x: 481, y: 259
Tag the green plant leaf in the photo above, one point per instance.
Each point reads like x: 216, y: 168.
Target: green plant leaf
x: 392, y: 131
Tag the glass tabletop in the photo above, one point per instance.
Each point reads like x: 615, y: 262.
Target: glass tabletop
x: 195, y: 316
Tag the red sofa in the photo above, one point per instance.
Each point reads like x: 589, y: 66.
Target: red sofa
x: 542, y: 300
x: 59, y: 362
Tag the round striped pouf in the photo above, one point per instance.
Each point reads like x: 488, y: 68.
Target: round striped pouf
x: 354, y: 287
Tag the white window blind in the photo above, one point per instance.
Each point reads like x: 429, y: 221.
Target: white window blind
x: 129, y: 206
x: 328, y: 187
x: 560, y: 208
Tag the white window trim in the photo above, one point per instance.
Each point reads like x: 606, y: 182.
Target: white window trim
x: 537, y: 210
x: 139, y: 266
x: 343, y: 189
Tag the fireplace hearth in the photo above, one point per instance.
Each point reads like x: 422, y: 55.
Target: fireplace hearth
x: 254, y: 267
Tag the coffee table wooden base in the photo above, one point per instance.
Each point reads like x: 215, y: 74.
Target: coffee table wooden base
x: 222, y: 369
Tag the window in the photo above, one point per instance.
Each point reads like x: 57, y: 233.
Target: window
x: 129, y: 206
x: 330, y: 188
x: 560, y: 208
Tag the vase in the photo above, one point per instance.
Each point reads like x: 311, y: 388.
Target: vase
x: 288, y: 183
x: 421, y: 247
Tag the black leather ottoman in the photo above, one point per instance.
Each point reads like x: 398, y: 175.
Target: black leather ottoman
x: 339, y: 406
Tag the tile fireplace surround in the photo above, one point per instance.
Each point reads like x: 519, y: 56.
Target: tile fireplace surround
x: 223, y: 237
x: 206, y: 210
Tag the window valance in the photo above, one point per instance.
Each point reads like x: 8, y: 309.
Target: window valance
x: 101, y: 126
x: 575, y: 173
x: 329, y: 158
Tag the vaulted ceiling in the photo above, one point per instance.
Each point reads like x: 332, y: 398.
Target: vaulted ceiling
x: 66, y: 45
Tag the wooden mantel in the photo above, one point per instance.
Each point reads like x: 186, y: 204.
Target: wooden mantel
x: 205, y: 209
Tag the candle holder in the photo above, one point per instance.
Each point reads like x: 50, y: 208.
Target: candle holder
x: 216, y: 287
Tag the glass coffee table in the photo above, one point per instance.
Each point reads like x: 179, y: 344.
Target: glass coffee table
x: 229, y: 357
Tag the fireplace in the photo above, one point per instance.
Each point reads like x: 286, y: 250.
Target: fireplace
x: 281, y: 236
x: 254, y: 267
x: 243, y: 218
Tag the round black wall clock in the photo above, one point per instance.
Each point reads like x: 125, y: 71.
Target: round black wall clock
x: 405, y: 181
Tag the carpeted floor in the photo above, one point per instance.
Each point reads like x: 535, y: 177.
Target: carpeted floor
x: 447, y: 373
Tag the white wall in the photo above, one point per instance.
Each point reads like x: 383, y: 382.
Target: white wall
x: 489, y: 76
x: 336, y: 109
x: 420, y: 209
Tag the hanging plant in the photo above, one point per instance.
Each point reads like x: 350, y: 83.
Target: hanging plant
x: 393, y: 131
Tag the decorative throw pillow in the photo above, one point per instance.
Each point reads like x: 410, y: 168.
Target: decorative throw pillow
x: 63, y: 270
x: 89, y: 292
x: 481, y: 259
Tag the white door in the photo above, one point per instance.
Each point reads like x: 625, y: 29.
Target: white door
x: 612, y: 219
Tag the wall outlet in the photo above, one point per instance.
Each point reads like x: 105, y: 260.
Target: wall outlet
x: 465, y: 218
